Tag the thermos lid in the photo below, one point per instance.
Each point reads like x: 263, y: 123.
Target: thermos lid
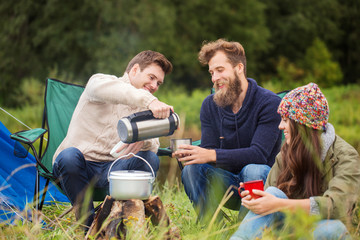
x: 125, y: 130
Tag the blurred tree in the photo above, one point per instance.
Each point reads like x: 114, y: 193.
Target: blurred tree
x: 294, y: 25
x: 39, y: 35
x: 16, y: 49
x: 316, y: 66
x: 66, y: 36
x: 128, y: 27
x: 320, y: 66
x: 200, y: 20
x: 78, y: 38
x: 349, y: 48
x: 171, y: 27
x: 288, y: 74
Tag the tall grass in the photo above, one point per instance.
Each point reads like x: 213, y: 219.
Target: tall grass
x: 176, y: 203
x: 180, y: 211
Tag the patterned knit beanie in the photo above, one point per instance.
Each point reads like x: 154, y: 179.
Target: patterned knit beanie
x: 306, y: 105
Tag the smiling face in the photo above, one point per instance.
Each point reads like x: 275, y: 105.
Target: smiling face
x: 149, y: 79
x: 225, y: 79
x: 285, y: 126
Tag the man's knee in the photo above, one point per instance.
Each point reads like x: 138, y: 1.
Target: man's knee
x: 190, y: 170
x: 154, y: 161
x: 69, y: 160
x: 151, y: 158
x: 188, y: 173
x: 195, y: 174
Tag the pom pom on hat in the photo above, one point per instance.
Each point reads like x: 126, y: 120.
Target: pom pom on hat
x: 306, y: 105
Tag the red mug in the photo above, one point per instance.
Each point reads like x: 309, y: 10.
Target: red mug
x: 250, y: 185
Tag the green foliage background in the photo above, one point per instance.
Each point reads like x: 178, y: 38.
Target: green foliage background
x: 286, y: 42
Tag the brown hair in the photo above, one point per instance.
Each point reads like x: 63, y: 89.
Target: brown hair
x: 148, y: 57
x: 233, y: 50
x: 300, y: 175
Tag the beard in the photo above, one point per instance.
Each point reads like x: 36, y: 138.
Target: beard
x: 228, y: 95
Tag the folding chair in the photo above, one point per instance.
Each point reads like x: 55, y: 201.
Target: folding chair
x: 59, y: 104
x: 60, y: 101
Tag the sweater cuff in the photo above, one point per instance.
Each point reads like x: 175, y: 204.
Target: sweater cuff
x: 314, y: 207
x: 149, y: 100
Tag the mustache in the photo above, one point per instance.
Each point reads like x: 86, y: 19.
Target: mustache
x: 220, y: 82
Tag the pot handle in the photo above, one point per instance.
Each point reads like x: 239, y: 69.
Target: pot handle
x: 152, y: 171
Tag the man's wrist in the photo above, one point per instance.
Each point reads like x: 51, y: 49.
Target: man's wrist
x: 213, y: 156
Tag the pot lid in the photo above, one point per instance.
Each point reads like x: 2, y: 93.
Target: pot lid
x: 130, y: 174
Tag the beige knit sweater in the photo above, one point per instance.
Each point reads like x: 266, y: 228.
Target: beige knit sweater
x: 93, y: 127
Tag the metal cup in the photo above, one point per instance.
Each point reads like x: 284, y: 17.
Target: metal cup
x: 175, y: 143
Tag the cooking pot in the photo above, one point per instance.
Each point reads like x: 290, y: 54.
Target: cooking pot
x: 130, y: 184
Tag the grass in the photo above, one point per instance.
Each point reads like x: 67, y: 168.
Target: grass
x: 179, y: 210
x: 176, y: 203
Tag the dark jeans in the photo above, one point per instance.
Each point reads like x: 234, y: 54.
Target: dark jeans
x: 75, y: 174
x: 206, y: 185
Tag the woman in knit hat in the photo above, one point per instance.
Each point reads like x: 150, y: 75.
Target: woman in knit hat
x: 315, y: 171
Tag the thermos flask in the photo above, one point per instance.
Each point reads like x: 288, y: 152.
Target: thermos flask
x: 143, y: 125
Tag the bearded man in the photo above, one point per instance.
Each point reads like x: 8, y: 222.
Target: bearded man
x: 240, y: 135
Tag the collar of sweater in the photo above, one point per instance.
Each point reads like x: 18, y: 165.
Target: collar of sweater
x: 126, y: 78
x: 327, y: 137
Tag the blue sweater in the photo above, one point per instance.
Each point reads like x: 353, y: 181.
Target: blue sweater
x: 249, y: 136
